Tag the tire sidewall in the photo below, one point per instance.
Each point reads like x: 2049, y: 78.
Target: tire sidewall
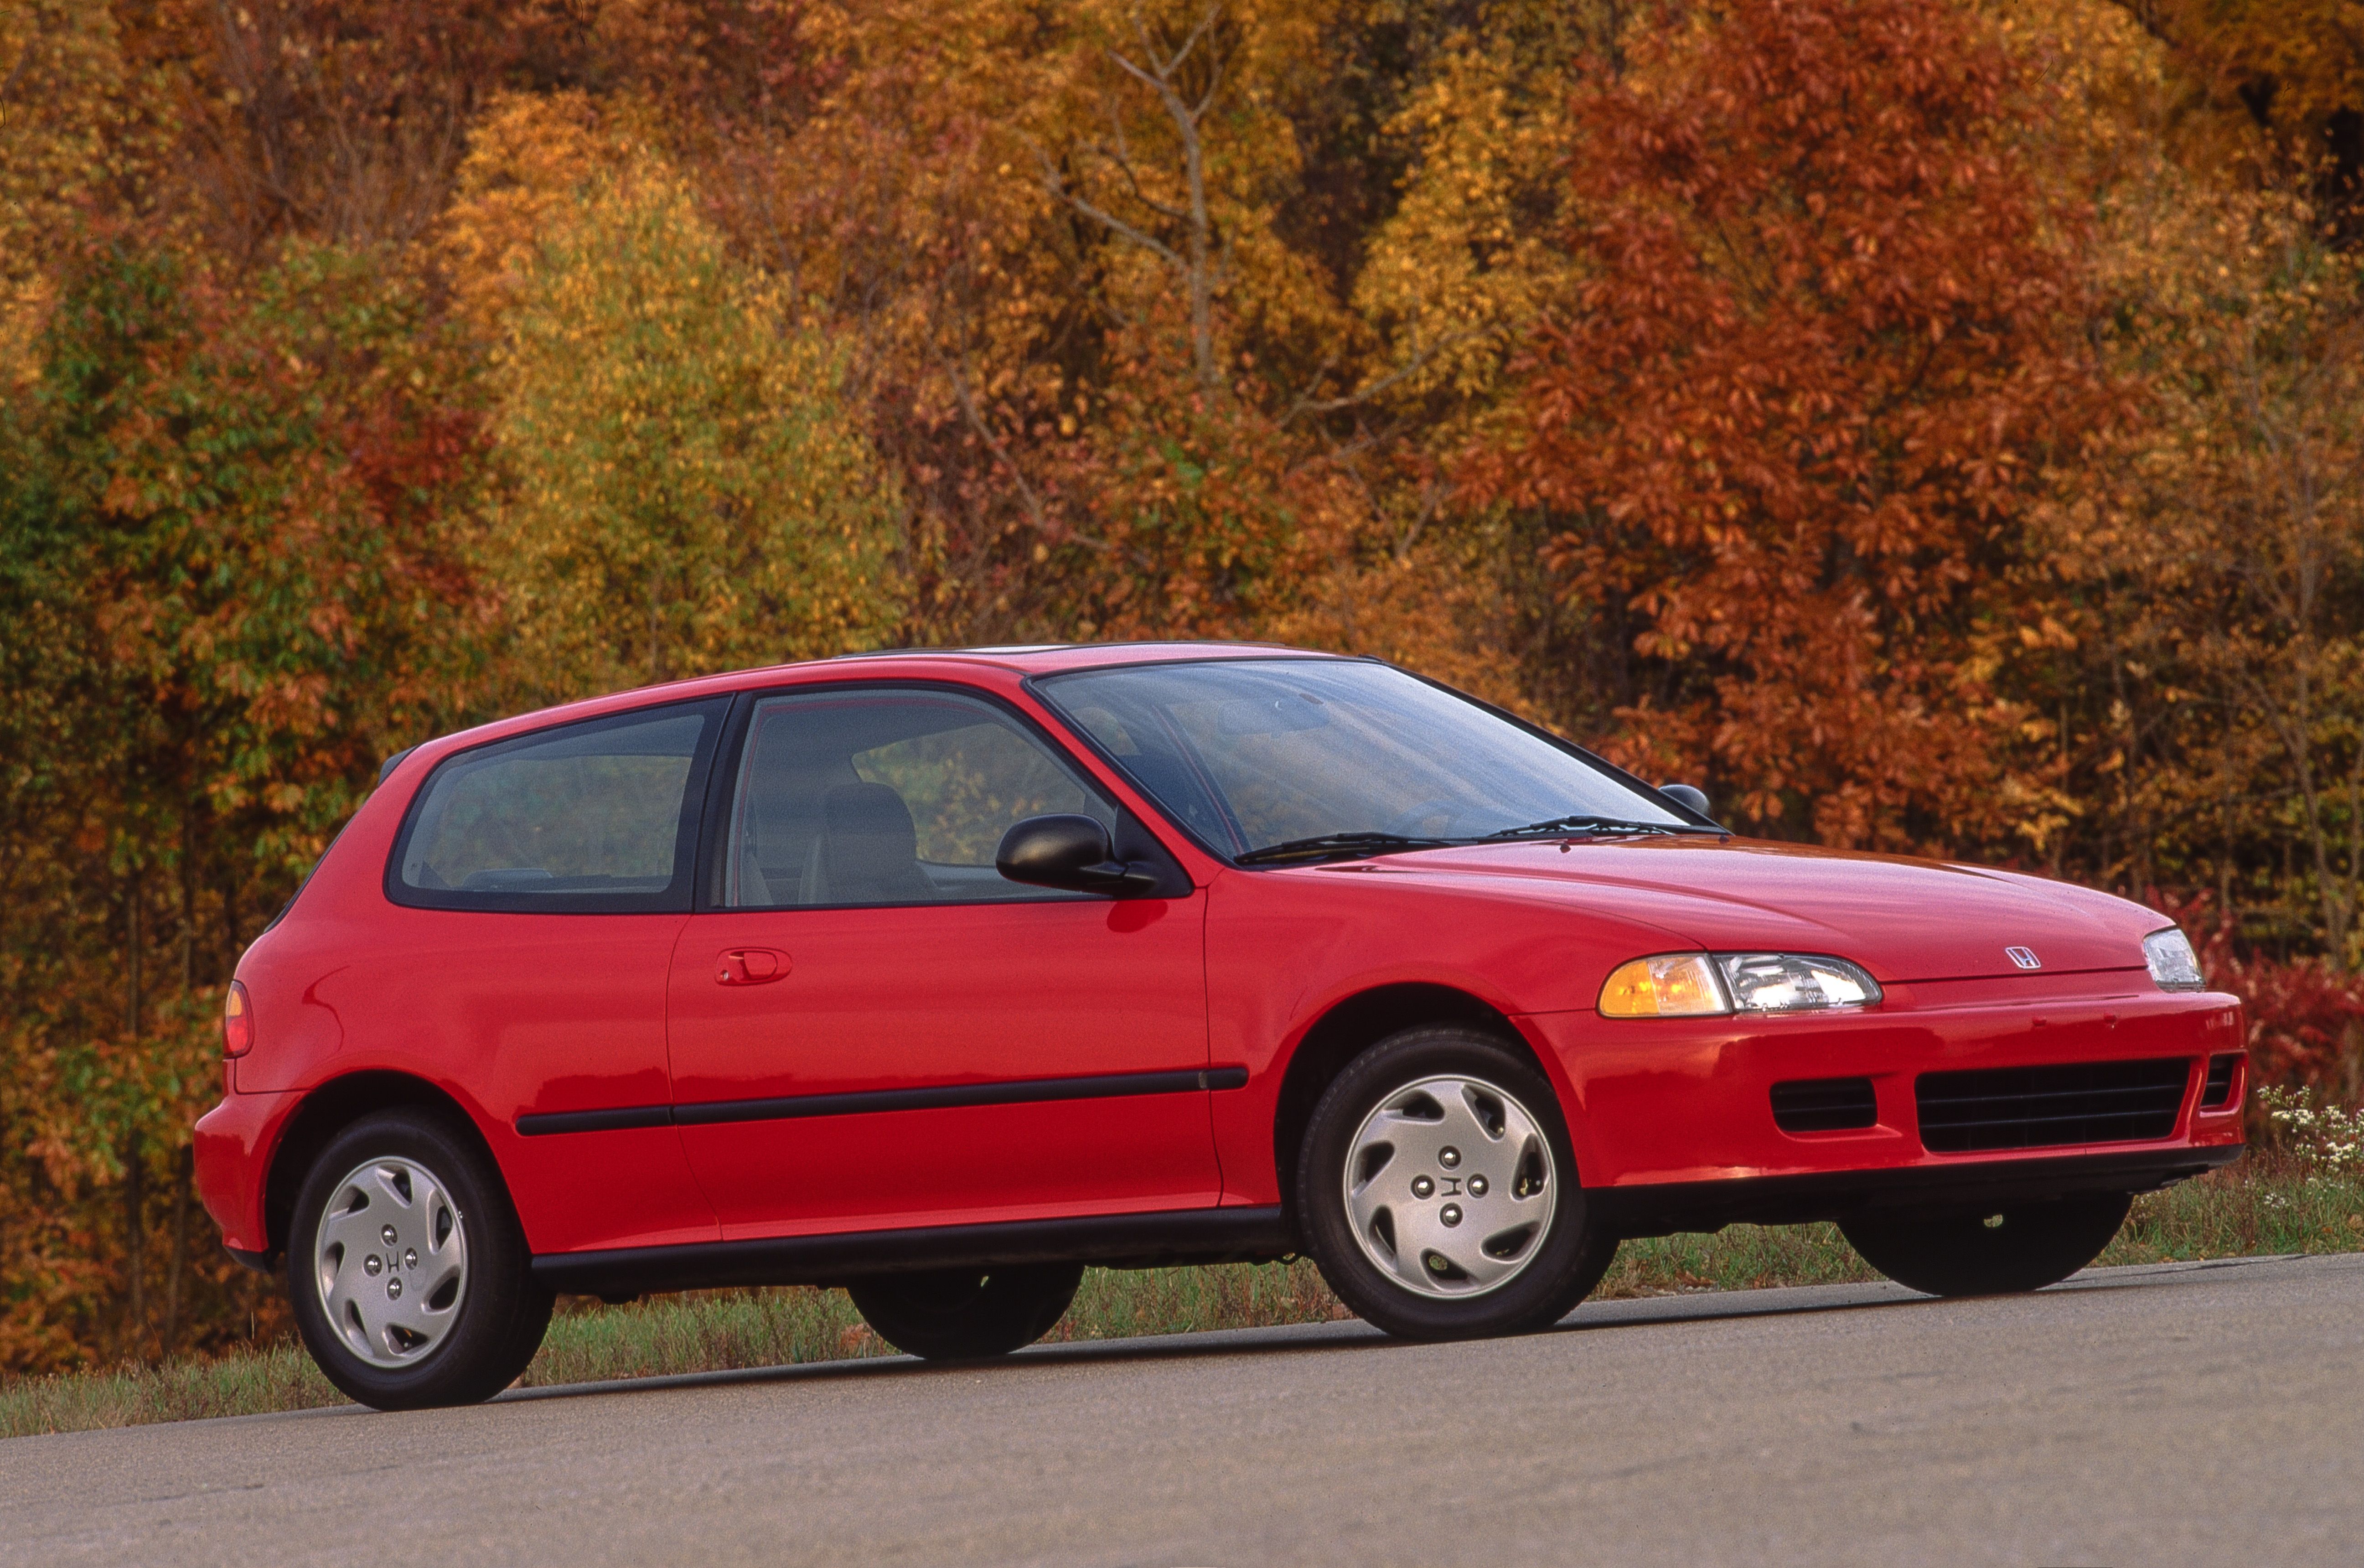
x: 1953, y: 1253
x: 1015, y: 1306
x: 501, y: 1314
x: 1570, y: 1258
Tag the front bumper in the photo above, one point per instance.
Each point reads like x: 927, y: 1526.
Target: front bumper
x: 1669, y: 1113
x: 1663, y: 1209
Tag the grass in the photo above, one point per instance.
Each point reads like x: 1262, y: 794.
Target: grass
x: 2262, y: 1210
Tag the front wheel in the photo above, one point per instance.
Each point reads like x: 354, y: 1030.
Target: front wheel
x: 959, y: 1314
x: 1987, y: 1252
x: 406, y: 1267
x: 1436, y: 1190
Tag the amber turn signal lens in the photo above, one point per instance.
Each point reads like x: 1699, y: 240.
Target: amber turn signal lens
x: 238, y: 1022
x: 1670, y: 985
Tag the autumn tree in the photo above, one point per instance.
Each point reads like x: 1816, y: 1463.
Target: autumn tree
x: 230, y: 581
x: 1791, y: 422
x: 687, y: 492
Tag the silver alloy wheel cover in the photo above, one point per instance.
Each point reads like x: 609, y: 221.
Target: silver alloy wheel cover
x: 391, y: 1262
x: 1421, y: 1151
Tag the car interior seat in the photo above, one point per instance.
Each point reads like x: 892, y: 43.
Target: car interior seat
x: 867, y: 851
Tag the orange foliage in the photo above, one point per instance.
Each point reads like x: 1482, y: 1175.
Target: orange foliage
x: 1791, y: 424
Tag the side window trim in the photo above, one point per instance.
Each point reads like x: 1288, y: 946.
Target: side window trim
x: 688, y: 832
x: 731, y: 756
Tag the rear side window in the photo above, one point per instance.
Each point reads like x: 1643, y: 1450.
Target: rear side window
x: 597, y: 817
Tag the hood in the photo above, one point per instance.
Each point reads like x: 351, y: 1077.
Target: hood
x: 1903, y: 919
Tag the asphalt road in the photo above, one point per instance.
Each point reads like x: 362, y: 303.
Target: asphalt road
x: 2197, y: 1413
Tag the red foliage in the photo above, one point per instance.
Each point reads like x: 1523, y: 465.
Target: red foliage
x: 1788, y: 427
x: 2304, y: 1014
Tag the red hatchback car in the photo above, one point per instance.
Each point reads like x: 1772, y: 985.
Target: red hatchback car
x: 939, y: 975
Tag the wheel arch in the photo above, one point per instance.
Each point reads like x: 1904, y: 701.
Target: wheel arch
x: 327, y: 1110
x: 1354, y: 1024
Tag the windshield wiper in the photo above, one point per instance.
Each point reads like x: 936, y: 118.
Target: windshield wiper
x: 1339, y: 846
x: 1586, y: 823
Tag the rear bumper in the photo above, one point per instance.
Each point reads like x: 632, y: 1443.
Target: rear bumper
x: 233, y: 1144
x: 1671, y: 1107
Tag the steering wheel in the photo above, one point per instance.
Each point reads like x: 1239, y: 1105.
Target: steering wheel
x: 1405, y: 822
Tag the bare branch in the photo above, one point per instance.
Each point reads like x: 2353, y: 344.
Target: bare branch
x: 1035, y: 510
x: 1122, y: 158
x: 1159, y: 77
x: 1411, y: 367
x: 993, y: 443
x: 1058, y: 190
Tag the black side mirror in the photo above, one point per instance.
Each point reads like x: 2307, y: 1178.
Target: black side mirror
x: 1689, y: 795
x: 1068, y: 851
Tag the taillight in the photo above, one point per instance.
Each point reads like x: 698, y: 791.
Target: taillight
x: 238, y: 1022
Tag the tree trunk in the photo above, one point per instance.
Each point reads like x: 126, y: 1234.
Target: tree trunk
x: 131, y: 935
x: 183, y: 1181
x: 135, y: 1251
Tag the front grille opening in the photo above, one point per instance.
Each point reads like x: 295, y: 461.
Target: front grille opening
x: 2223, y: 1074
x: 2034, y: 1107
x: 1824, y: 1104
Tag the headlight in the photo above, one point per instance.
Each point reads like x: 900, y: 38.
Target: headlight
x: 1788, y: 983
x: 1691, y: 984
x: 2172, y: 962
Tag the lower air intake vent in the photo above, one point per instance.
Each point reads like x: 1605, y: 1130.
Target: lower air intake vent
x: 2217, y: 1093
x: 2032, y: 1108
x: 1824, y: 1104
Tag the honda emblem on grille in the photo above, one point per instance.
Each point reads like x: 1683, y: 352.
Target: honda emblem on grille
x: 2023, y: 957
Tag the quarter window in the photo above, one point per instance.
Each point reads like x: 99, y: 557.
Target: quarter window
x: 888, y: 797
x: 587, y: 818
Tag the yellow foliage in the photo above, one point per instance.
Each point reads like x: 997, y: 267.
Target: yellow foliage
x: 1461, y: 268
x: 687, y: 492
x: 528, y: 160
x: 59, y: 118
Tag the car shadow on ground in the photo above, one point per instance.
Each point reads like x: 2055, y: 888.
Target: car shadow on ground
x: 1348, y: 1336
x: 1351, y: 1336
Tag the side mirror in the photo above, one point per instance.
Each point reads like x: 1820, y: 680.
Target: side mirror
x: 1068, y: 851
x: 1689, y: 795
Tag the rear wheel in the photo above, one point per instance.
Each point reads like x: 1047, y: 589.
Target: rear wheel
x: 406, y: 1267
x: 958, y: 1314
x: 1436, y: 1189
x: 1988, y: 1252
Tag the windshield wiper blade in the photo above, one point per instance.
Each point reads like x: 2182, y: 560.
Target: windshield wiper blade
x: 1337, y: 846
x: 1586, y: 823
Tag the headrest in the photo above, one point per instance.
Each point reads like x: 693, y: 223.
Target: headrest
x: 871, y: 811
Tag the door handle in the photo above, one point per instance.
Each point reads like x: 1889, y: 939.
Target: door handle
x: 749, y: 967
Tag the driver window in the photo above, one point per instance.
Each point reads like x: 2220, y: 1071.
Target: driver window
x: 888, y: 797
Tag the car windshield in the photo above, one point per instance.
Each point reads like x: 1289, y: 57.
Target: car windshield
x: 1269, y: 759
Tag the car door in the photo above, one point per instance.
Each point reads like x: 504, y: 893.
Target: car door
x: 872, y: 1028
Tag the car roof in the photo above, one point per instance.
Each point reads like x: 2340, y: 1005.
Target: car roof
x: 1025, y: 658
x: 1048, y: 658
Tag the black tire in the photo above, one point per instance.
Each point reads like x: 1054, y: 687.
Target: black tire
x: 1563, y: 1263
x: 963, y: 1314
x: 1987, y: 1252
x: 499, y: 1316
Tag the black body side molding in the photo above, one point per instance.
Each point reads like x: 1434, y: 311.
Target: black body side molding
x: 935, y: 1096
x: 1112, y: 1240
